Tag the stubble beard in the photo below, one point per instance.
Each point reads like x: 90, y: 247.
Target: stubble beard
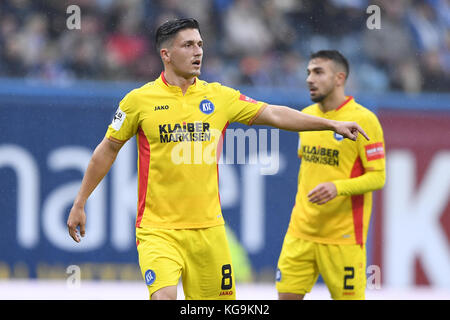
x: 319, y: 98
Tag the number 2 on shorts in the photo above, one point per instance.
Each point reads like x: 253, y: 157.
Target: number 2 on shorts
x: 349, y: 276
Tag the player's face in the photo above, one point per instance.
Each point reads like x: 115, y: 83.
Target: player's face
x: 321, y: 78
x: 185, y: 53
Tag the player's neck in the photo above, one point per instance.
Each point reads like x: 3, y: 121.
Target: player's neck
x: 175, y: 80
x: 332, y: 102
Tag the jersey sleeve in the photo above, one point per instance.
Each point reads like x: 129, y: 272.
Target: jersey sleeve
x: 372, y: 152
x: 125, y: 122
x: 372, y: 156
x: 241, y: 108
x: 369, y: 181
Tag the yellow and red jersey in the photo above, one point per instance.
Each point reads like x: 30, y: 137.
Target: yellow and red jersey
x: 179, y: 139
x: 356, y: 168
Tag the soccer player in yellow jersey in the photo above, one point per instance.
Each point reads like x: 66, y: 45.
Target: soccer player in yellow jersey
x: 178, y: 120
x: 330, y: 219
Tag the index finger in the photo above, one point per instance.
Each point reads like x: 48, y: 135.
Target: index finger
x: 82, y: 229
x: 73, y: 233
x: 314, y: 191
x: 362, y: 132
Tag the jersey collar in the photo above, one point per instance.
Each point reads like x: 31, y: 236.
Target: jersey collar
x: 349, y: 98
x: 176, y: 88
x: 331, y: 112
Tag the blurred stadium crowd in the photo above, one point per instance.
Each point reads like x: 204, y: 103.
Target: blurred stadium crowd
x: 247, y: 42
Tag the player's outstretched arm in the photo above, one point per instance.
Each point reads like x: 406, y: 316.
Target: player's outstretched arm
x: 99, y: 165
x: 293, y: 120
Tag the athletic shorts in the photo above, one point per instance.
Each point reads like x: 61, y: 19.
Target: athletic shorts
x: 201, y: 257
x: 342, y: 267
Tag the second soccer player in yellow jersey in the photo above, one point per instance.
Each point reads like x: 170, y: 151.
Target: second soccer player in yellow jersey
x: 330, y: 219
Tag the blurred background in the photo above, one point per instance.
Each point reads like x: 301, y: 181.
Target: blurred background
x: 62, y: 76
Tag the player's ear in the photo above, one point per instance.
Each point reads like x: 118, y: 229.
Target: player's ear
x: 165, y: 54
x: 341, y: 77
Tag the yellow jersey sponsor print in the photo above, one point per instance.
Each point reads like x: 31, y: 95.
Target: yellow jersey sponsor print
x: 327, y: 157
x: 179, y: 139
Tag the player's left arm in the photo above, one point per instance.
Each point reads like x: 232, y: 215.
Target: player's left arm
x: 369, y: 181
x: 293, y: 120
x: 372, y: 156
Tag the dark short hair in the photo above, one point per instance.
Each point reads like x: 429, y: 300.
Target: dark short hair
x: 169, y: 29
x: 334, y: 56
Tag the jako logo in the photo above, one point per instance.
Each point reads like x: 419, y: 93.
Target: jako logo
x: 166, y: 107
x: 149, y: 277
x: 206, y: 106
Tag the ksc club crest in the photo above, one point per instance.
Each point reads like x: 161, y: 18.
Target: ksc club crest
x: 150, y: 277
x: 206, y: 106
x: 338, y: 136
x: 278, y: 275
